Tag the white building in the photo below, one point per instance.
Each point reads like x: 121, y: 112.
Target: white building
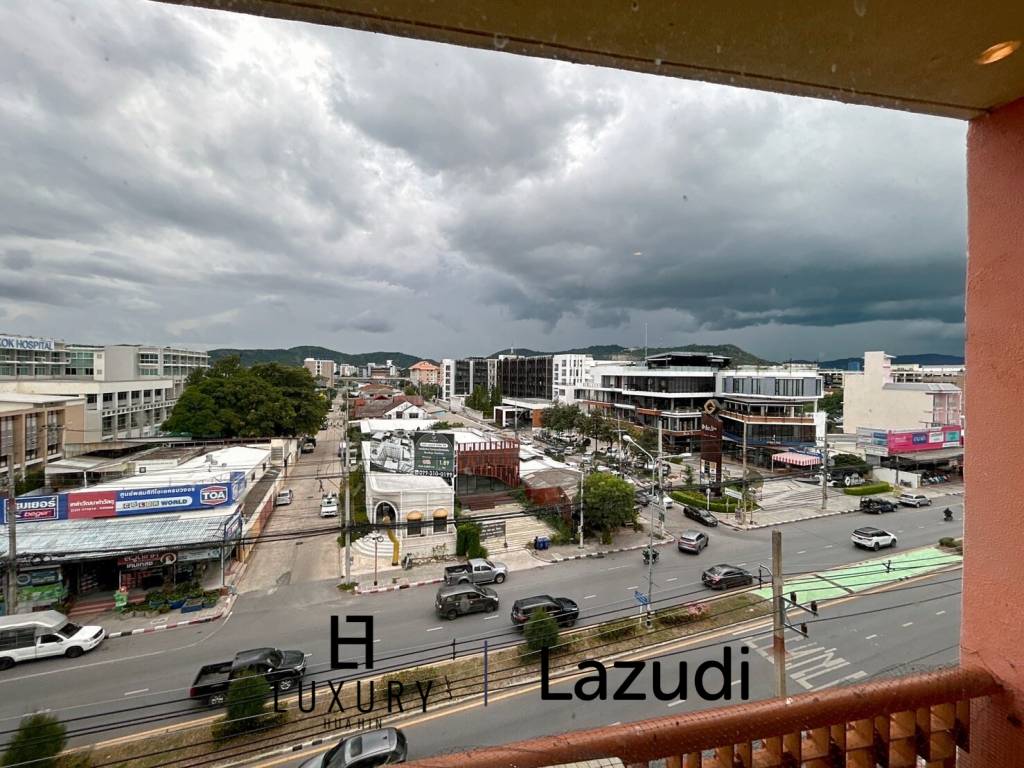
x: 875, y: 399
x: 569, y: 373
x: 129, y: 389
x: 406, y: 410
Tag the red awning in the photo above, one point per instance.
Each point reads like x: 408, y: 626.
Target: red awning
x: 796, y: 459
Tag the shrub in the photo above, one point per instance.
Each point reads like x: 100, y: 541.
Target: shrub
x: 947, y: 541
x: 680, y: 616
x: 722, y: 506
x: 38, y: 741
x: 541, y: 631
x: 606, y: 537
x: 467, y: 539
x: 246, y: 706
x: 619, y: 630
x: 867, y: 489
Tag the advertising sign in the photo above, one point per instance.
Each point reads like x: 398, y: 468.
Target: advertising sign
x: 38, y: 577
x: 233, y: 528
x: 190, y: 555
x: 925, y: 440
x: 83, y: 505
x: 30, y: 509
x: 492, y: 530
x: 433, y: 454
x: 146, y: 560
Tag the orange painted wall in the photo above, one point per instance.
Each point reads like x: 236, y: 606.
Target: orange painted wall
x: 992, y: 636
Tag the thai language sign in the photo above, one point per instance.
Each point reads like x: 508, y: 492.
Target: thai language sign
x: 925, y: 440
x: 78, y: 505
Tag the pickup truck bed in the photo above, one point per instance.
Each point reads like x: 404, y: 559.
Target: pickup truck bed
x: 213, y: 674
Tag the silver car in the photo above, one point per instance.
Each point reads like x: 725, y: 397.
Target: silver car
x: 693, y: 541
x: 383, y: 746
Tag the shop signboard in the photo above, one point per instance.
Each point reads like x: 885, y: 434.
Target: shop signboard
x: 44, y: 593
x: 233, y: 528
x: 27, y: 344
x: 924, y: 440
x: 38, y: 577
x: 237, y: 484
x: 433, y: 454
x: 145, y: 560
x: 31, y: 509
x: 492, y: 530
x: 192, y: 555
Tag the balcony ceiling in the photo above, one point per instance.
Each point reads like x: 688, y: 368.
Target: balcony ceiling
x: 917, y: 55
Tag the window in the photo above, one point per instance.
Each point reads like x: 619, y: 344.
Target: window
x: 440, y: 521
x: 414, y: 524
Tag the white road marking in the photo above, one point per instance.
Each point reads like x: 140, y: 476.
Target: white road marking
x: 677, y: 702
x: 589, y: 597
x: 132, y: 693
x: 633, y: 587
x: 909, y: 623
x: 939, y: 613
x: 617, y: 568
x: 871, y: 637
x: 741, y: 564
x: 434, y: 629
x: 378, y: 640
x: 802, y: 552
x: 489, y: 618
x: 829, y: 546
x: 674, y: 578
x: 734, y: 682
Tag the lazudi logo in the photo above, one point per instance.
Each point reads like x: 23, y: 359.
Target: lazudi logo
x: 597, y: 686
x: 368, y: 697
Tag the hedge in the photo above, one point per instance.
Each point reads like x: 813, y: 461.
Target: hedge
x: 867, y: 489
x: 699, y: 500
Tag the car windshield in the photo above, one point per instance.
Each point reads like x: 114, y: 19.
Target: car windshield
x: 69, y: 630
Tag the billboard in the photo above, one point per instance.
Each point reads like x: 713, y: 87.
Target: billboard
x: 82, y: 505
x: 433, y: 454
x: 924, y: 440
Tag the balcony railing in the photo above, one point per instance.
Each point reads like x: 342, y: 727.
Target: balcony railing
x: 890, y: 722
x: 760, y: 418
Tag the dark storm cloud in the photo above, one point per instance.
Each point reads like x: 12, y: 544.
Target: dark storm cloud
x: 217, y: 178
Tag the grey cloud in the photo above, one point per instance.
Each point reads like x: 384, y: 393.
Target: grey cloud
x: 367, y: 321
x: 18, y: 259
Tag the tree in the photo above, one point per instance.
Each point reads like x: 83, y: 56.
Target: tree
x: 38, y: 741
x: 562, y: 418
x: 541, y: 631
x: 228, y: 400
x: 607, y: 502
x: 832, y: 405
x: 246, y: 705
x: 410, y: 389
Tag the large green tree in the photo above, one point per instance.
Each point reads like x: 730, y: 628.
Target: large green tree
x: 607, y: 502
x: 562, y: 418
x: 267, y: 400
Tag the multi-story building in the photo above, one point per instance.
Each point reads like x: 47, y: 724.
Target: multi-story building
x: 878, y: 399
x: 345, y: 370
x: 569, y: 373
x: 129, y: 390
x: 670, y: 390
x: 526, y: 377
x: 424, y: 372
x: 321, y: 370
x: 462, y: 376
x: 33, y: 428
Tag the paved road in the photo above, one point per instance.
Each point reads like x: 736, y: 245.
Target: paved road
x: 155, y: 670
x: 851, y: 642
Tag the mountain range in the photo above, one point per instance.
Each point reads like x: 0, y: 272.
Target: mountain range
x: 844, y: 363
x: 295, y: 356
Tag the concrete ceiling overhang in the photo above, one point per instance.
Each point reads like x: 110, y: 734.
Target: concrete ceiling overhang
x: 916, y: 55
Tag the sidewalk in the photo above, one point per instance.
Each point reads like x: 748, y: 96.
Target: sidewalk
x: 118, y: 625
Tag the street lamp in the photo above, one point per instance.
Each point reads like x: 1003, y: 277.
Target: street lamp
x: 650, y: 547
x: 377, y: 539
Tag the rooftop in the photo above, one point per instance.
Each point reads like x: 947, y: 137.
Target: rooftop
x: 213, y: 467
x: 389, y: 481
x: 923, y: 386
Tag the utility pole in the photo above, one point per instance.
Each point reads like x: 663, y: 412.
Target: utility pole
x: 778, y: 615
x: 743, y: 501
x: 12, y: 542
x: 657, y: 481
x: 824, y: 470
x: 348, y: 494
x: 583, y: 477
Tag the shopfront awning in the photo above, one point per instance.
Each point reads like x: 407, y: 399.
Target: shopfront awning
x: 796, y: 459
x: 927, y: 457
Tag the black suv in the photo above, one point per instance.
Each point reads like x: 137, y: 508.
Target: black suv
x: 459, y: 599
x: 700, y: 515
x: 562, y: 609
x: 725, y: 576
x: 876, y: 506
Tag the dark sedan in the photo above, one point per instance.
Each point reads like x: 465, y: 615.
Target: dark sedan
x: 702, y: 516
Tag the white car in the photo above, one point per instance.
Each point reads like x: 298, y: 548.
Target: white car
x: 28, y: 636
x: 666, y: 502
x: 873, y: 538
x: 329, y: 506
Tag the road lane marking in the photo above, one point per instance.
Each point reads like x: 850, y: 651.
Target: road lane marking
x: 736, y: 682
x: 677, y: 702
x: 908, y: 624
x: 741, y: 564
x: 434, y: 629
x: 829, y: 546
x: 802, y: 552
x: 489, y: 618
x: 871, y: 637
x: 674, y: 578
x: 633, y: 587
x: 939, y: 613
x: 617, y: 568
x: 132, y: 693
x: 589, y: 597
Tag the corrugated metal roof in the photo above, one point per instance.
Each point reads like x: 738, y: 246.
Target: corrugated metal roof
x: 923, y: 386
x: 108, y: 537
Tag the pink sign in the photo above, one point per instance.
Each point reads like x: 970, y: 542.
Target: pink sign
x: 87, y: 504
x: 925, y: 440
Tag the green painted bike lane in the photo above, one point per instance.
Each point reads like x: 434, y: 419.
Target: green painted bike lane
x: 870, y: 574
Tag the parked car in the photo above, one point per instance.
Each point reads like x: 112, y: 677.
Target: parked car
x: 457, y: 599
x: 477, y: 571
x: 692, y: 541
x: 284, y: 498
x: 369, y: 749
x: 667, y: 502
x: 876, y: 506
x: 283, y: 669
x: 641, y: 498
x: 725, y: 576
x: 702, y: 516
x: 914, y: 500
x: 308, y: 447
x: 329, y: 505
x: 873, y: 538
x: 562, y: 609
x: 29, y: 636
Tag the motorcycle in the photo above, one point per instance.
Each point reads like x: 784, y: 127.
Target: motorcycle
x: 947, y: 514
x: 650, y: 555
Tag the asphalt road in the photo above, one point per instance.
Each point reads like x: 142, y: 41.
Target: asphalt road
x: 101, y: 693
x: 851, y: 642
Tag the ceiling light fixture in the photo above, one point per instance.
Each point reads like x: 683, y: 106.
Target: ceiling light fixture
x: 997, y: 52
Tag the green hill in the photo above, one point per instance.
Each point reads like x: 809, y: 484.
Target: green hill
x: 295, y: 356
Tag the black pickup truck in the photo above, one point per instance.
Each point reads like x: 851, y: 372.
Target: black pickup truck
x: 283, y: 669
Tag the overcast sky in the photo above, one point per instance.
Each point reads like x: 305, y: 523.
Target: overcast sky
x: 181, y: 176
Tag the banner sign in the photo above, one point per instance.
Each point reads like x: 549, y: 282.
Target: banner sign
x: 21, y: 342
x: 146, y: 560
x: 191, y: 555
x: 81, y: 505
x: 925, y: 440
x: 434, y: 454
x: 492, y: 530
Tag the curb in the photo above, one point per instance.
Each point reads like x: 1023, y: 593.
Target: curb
x: 604, y: 552
x: 395, y: 587
x: 175, y: 625
x: 735, y: 527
